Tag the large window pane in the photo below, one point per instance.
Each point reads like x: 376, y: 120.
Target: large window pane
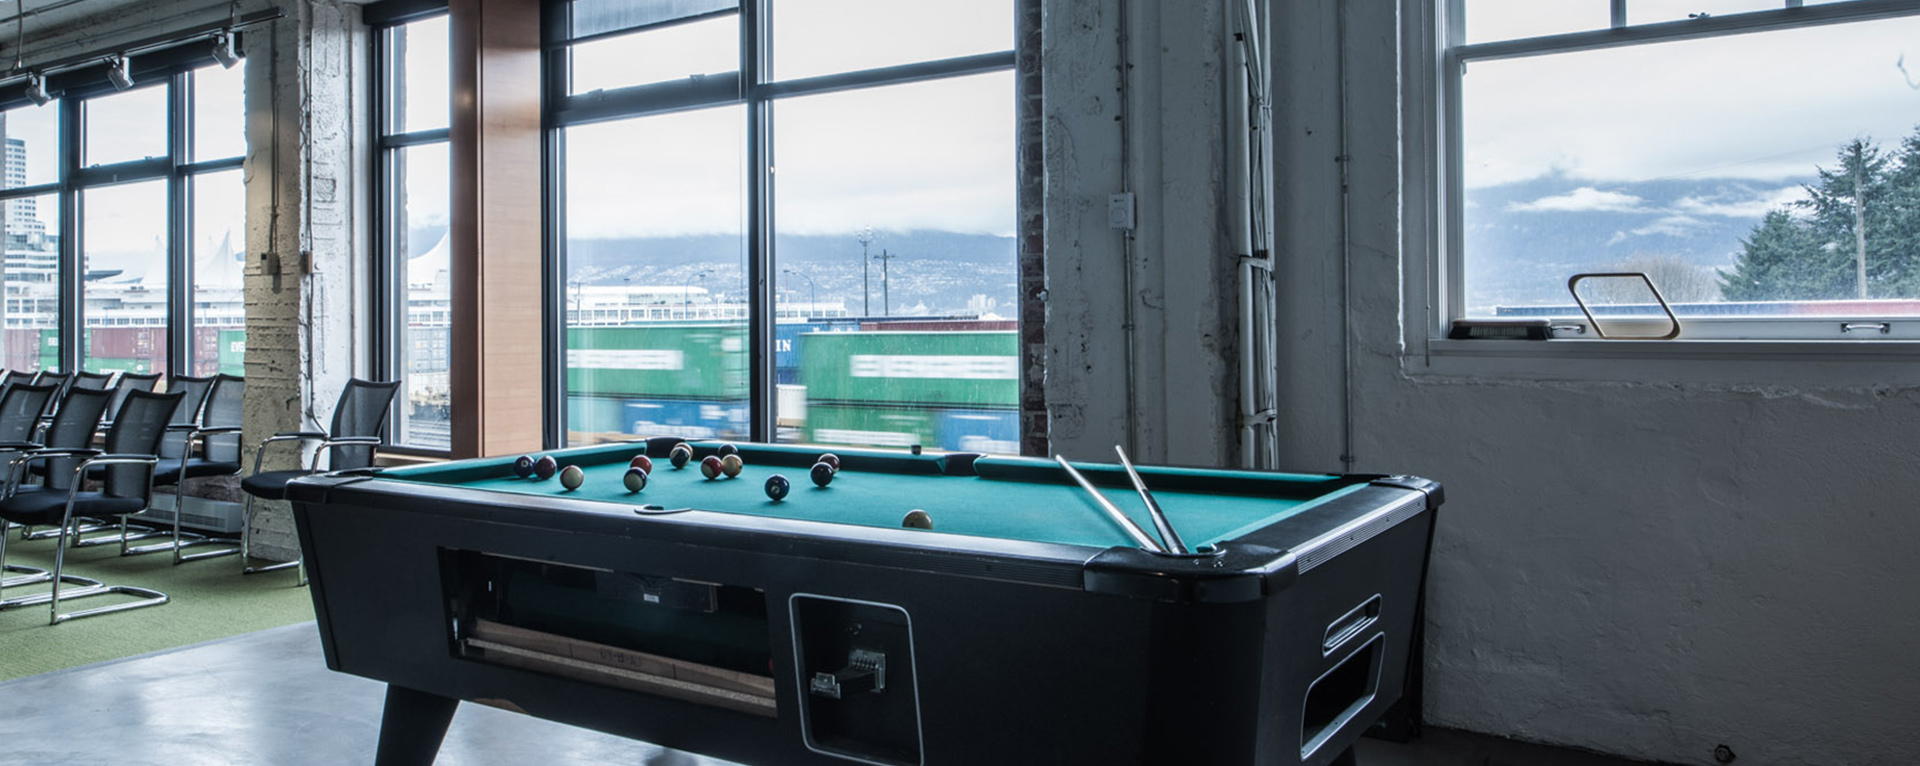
x: 1491, y: 20
x: 419, y: 230
x: 219, y: 260
x: 907, y: 221
x: 124, y: 261
x: 33, y: 145
x: 674, y: 52
x: 1731, y: 169
x: 820, y: 37
x: 219, y: 112
x: 656, y: 277
x: 422, y: 90
x: 29, y: 328
x: 125, y: 126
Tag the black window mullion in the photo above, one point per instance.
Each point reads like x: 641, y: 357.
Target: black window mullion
x: 180, y: 347
x: 754, y: 49
x: 68, y: 328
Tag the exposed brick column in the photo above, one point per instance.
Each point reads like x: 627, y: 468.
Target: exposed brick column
x: 1032, y: 232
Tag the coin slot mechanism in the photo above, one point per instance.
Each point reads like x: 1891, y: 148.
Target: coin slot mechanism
x: 855, y: 660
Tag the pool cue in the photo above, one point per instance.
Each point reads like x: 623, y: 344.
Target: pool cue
x: 1126, y: 525
x: 1167, y: 535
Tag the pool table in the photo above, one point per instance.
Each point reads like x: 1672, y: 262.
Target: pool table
x: 1023, y: 627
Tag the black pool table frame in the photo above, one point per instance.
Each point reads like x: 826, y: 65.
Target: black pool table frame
x: 1281, y: 647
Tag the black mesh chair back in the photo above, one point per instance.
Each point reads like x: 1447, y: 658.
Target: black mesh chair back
x: 73, y: 428
x: 194, y: 392
x: 59, y: 381
x: 20, y: 408
x: 225, y: 406
x: 362, y: 412
x: 85, y: 379
x: 137, y: 430
x: 131, y: 382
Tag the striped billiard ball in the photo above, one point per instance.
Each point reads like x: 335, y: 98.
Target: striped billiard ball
x: 710, y: 467
x: 731, y: 465
x: 635, y: 480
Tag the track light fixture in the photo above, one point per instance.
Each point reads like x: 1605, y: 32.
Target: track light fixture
x: 120, y: 72
x: 37, y: 88
x: 224, y: 50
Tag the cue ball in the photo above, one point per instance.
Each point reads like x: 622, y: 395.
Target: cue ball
x: 545, y: 467
x: 641, y: 462
x: 571, y: 477
x: 831, y: 460
x: 523, y: 466
x: 727, y: 449
x: 731, y: 465
x: 822, y: 474
x: 777, y: 487
x: 710, y: 467
x: 681, y: 454
x: 636, y: 479
x: 917, y: 519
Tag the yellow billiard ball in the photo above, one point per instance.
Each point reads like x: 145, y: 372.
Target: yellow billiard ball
x: 917, y: 519
x: 731, y: 465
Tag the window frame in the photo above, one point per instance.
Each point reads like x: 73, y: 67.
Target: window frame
x: 753, y: 87
x: 1434, y: 209
x: 389, y: 288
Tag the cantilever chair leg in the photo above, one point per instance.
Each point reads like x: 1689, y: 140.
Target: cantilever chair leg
x: 147, y: 596
x: 246, y: 550
x: 86, y: 585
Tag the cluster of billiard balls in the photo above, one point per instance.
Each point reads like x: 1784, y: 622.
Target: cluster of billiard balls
x: 822, y: 474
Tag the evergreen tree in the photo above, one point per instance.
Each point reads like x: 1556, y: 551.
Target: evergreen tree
x: 1867, y: 205
x: 1783, y: 260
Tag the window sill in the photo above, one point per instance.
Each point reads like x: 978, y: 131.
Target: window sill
x: 1708, y: 362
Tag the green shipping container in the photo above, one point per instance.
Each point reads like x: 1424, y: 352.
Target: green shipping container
x: 976, y: 370
x: 707, y: 361
x: 49, y: 349
x: 233, y: 352
x: 870, y: 426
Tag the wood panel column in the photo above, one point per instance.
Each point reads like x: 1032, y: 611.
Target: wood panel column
x: 496, y: 380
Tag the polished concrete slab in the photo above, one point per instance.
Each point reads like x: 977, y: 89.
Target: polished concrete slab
x: 267, y: 698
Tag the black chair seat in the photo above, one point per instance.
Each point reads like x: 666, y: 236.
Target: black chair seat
x: 169, y: 473
x: 271, y: 485
x: 39, y: 507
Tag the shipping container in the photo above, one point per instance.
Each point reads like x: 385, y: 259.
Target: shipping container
x: 938, y: 369
x: 988, y: 431
x: 687, y: 418
x: 870, y: 426
x: 706, y: 361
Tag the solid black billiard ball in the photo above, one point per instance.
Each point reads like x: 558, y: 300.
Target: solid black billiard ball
x: 821, y: 473
x: 777, y: 487
x: 727, y: 449
x: 917, y: 519
x: 545, y: 467
x: 831, y: 460
x: 641, y: 462
x: 571, y: 477
x: 731, y: 465
x: 681, y: 454
x: 523, y: 466
x: 710, y: 467
x: 636, y: 479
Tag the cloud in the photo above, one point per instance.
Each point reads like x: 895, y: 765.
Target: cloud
x: 1672, y: 225
x: 1750, y: 207
x: 1585, y: 199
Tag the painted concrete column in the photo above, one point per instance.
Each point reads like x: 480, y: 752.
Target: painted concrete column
x: 305, y: 269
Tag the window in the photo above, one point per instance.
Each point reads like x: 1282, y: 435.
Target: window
x: 1758, y: 161
x: 411, y: 60
x: 856, y: 157
x: 30, y: 317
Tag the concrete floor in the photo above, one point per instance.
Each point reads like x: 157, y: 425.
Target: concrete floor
x: 267, y: 698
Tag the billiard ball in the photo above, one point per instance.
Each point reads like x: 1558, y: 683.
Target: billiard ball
x: 641, y: 462
x: 731, y: 465
x: 680, y: 455
x: 727, y: 449
x: 831, y: 460
x: 571, y: 477
x: 545, y: 467
x: 777, y: 487
x: 821, y: 473
x: 710, y: 467
x: 636, y: 479
x: 523, y: 466
x: 917, y: 519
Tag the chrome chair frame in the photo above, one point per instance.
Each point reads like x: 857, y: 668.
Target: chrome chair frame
x: 322, y: 442
x: 182, y: 538
x: 147, y: 596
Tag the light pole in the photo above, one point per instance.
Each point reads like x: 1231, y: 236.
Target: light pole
x: 865, y: 237
x: 686, y: 292
x: 886, y: 304
x: 813, y: 296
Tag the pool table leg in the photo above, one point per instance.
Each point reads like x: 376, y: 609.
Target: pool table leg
x: 412, y: 726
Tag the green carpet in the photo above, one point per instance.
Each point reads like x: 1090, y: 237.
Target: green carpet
x: 210, y: 599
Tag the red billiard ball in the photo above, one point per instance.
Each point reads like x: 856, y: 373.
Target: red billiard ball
x: 680, y: 455
x: 545, y: 467
x: 831, y: 460
x: 731, y: 465
x: 710, y: 467
x: 641, y: 462
x: 635, y: 480
x: 523, y: 466
x: 821, y: 473
x: 778, y: 487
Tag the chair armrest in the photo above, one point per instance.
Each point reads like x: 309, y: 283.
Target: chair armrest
x: 49, y: 453
x: 298, y: 435
x: 344, y: 441
x: 20, y: 446
x: 120, y: 457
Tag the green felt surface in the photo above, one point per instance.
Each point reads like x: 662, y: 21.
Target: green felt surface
x: 1015, y: 499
